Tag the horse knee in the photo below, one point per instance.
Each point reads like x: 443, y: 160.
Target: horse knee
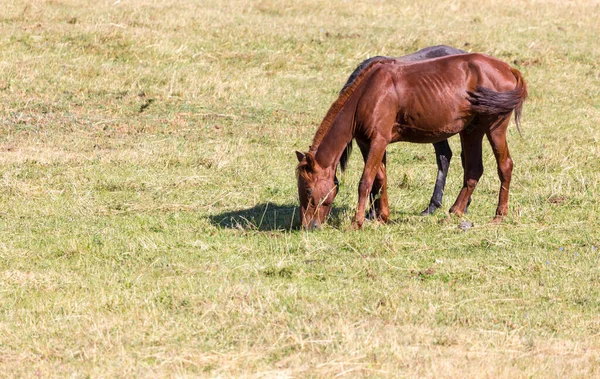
x: 364, y: 188
x: 505, y: 168
x: 381, y: 187
x: 508, y: 164
x: 471, y: 184
x: 475, y: 173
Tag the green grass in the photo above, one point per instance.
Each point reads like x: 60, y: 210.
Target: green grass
x: 148, y: 222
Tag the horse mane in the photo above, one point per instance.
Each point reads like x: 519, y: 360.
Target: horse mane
x: 337, y: 105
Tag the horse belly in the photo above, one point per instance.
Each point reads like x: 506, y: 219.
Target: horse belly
x: 430, y: 118
x: 416, y: 133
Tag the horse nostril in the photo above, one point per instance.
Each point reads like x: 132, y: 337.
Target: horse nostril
x: 314, y: 225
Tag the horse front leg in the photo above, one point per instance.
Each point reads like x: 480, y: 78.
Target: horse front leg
x: 379, y: 208
x: 443, y: 155
x: 374, y: 166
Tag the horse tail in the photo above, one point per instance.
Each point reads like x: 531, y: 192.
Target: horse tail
x: 346, y: 156
x: 523, y: 86
x: 489, y: 102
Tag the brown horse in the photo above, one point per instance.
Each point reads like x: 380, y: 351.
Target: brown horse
x: 443, y: 152
x: 423, y: 102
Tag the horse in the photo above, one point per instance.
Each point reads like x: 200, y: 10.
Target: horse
x: 443, y: 153
x: 421, y: 102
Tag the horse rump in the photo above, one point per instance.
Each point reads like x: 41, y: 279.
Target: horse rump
x: 488, y: 102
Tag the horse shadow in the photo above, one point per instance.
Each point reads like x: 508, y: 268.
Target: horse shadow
x: 268, y: 217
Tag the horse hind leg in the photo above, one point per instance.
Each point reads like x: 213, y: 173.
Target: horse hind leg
x: 443, y: 155
x: 462, y: 162
x: 379, y: 193
x: 472, y: 167
x: 497, y: 139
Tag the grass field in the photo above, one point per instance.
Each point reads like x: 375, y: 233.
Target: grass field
x: 148, y: 222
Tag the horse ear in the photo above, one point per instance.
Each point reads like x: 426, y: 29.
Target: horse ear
x: 312, y: 162
x: 300, y: 156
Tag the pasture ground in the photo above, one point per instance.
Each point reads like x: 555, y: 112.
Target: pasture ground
x: 147, y: 196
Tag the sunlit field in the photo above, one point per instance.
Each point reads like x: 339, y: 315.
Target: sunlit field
x: 148, y: 203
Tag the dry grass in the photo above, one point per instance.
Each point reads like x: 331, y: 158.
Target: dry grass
x: 147, y: 216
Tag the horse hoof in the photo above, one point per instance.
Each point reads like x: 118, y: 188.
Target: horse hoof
x: 356, y: 225
x: 497, y: 219
x: 431, y: 208
x: 456, y: 212
x: 428, y: 212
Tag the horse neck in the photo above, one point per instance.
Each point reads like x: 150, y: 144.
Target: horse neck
x: 337, y: 128
x: 341, y: 132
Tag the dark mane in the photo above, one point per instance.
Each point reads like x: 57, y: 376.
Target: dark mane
x: 348, y: 150
x: 337, y: 105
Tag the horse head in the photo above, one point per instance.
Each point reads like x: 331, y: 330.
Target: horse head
x: 317, y: 188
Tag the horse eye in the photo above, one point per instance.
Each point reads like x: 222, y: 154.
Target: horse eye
x: 309, y: 192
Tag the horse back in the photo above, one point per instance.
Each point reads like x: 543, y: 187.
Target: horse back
x: 433, y: 99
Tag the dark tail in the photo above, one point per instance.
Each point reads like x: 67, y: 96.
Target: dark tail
x: 346, y: 156
x: 490, y: 102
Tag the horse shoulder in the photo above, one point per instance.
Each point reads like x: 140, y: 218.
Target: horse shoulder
x: 378, y: 104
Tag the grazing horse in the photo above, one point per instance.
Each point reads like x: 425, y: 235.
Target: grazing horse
x: 443, y: 153
x: 421, y: 102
